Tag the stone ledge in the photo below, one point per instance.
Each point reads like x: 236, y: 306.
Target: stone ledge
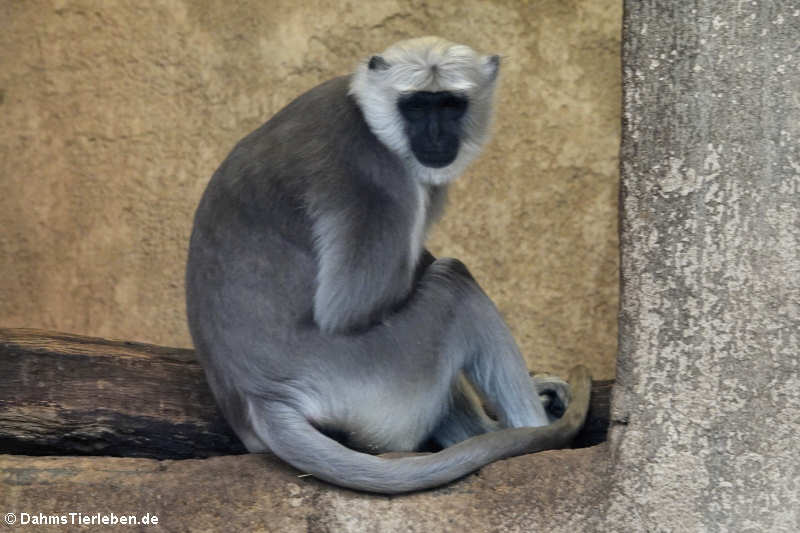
x: 550, y: 491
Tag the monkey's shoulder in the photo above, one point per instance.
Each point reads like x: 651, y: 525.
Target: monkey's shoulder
x: 319, y: 141
x: 319, y: 153
x: 318, y: 123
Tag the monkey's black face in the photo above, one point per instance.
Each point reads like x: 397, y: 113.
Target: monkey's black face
x: 433, y: 125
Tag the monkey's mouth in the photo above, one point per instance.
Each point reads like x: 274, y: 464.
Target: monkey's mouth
x: 436, y: 159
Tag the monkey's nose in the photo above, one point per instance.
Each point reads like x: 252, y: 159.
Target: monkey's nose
x: 433, y: 133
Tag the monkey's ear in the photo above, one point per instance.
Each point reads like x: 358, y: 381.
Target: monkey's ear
x: 492, y: 67
x: 377, y: 63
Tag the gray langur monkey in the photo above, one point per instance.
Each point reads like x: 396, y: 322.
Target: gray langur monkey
x: 327, y: 332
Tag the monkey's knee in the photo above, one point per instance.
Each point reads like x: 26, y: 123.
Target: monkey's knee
x: 450, y: 268
x: 447, y: 282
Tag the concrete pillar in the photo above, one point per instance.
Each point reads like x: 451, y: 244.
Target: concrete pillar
x: 707, y: 406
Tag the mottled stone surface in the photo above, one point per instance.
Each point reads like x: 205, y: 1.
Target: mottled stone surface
x: 708, y: 380
x: 550, y: 491
x: 115, y: 114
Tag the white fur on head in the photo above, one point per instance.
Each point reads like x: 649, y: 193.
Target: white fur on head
x: 427, y: 64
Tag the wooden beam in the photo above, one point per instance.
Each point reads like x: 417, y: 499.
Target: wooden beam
x: 63, y: 394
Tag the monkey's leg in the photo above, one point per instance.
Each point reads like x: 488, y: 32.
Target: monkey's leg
x: 496, y: 366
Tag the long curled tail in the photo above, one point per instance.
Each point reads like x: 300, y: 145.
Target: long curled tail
x: 292, y: 438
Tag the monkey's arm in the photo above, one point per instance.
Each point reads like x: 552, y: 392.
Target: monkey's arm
x: 364, y: 266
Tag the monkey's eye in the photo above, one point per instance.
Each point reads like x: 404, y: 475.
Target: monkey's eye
x: 413, y: 108
x: 453, y: 106
x: 417, y: 106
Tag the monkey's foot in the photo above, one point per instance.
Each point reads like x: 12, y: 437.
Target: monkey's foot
x: 554, y: 393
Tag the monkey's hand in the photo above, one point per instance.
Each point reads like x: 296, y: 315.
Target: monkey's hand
x: 554, y: 393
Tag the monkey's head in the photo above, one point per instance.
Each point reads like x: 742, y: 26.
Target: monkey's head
x: 430, y: 102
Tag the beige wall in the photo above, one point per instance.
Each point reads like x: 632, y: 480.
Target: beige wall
x: 114, y: 115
